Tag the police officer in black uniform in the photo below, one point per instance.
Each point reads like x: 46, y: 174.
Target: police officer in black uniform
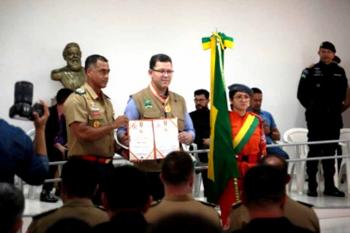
x: 322, y: 90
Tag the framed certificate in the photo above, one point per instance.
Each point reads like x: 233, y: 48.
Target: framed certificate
x: 152, y: 139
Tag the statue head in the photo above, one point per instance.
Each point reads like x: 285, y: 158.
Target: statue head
x: 72, y: 55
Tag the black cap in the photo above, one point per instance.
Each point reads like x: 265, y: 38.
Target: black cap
x: 239, y: 87
x: 328, y: 45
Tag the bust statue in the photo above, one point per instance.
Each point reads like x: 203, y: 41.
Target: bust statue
x: 72, y: 75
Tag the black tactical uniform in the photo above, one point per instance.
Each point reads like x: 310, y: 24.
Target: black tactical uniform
x: 322, y: 90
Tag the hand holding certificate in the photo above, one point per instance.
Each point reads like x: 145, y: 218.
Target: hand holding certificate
x: 152, y: 139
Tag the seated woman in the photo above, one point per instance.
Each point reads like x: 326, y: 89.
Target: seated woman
x: 247, y: 130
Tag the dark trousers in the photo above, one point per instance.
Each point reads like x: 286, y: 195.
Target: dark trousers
x: 203, y: 158
x: 53, y: 156
x: 317, y: 133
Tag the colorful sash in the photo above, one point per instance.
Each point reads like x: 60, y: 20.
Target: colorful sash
x: 244, y: 134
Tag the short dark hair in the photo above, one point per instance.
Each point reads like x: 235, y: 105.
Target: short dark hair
x: 92, y: 60
x: 263, y: 186
x: 202, y: 92
x: 126, y: 187
x: 79, y: 178
x: 282, y: 164
x: 158, y: 57
x: 11, y: 206
x: 256, y: 90
x: 62, y: 95
x: 177, y: 167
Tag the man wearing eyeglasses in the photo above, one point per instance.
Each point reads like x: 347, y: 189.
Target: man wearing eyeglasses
x: 154, y: 102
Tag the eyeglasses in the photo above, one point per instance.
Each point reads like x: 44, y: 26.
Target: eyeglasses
x: 163, y: 72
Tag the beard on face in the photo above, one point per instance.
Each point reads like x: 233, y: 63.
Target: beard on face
x: 74, y: 64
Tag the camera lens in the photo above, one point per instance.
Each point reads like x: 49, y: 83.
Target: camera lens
x: 24, y: 92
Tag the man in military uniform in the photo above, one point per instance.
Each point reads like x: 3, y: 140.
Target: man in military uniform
x: 154, y: 102
x: 79, y: 181
x: 89, y: 118
x: 322, y: 91
x: 264, y: 195
x: 126, y: 198
x: 72, y: 75
x: 298, y: 213
x: 177, y: 176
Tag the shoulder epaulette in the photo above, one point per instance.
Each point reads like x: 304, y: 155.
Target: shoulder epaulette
x: 80, y: 91
x: 155, y: 203
x: 100, y: 207
x: 208, y: 204
x: 44, y: 214
x: 305, y: 204
x: 236, y: 205
x: 106, y: 96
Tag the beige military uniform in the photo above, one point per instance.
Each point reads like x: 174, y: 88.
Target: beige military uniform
x: 299, y: 214
x: 181, y: 204
x: 150, y: 107
x: 86, y: 106
x: 82, y: 209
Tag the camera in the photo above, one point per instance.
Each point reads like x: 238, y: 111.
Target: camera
x: 22, y: 108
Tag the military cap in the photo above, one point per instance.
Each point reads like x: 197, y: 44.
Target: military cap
x: 328, y: 45
x: 239, y: 87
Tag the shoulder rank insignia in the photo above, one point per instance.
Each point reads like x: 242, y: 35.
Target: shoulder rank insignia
x: 155, y: 203
x: 208, y: 204
x: 305, y: 73
x: 80, y: 91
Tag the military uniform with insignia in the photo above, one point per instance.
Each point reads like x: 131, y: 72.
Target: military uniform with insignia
x: 182, y: 204
x: 298, y: 213
x: 321, y: 91
x: 87, y: 107
x: 75, y: 208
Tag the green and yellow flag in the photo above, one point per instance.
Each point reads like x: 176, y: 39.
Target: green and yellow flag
x: 222, y: 166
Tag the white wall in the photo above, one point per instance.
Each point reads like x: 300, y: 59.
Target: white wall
x: 275, y: 40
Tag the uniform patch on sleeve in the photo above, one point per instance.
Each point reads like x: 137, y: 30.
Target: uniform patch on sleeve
x: 304, y: 73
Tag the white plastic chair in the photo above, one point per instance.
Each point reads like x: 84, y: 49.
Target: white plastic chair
x: 345, y: 164
x: 198, y: 176
x: 297, y: 135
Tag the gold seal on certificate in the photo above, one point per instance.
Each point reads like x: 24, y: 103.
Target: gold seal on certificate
x: 152, y: 139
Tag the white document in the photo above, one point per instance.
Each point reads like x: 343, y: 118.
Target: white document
x: 166, y: 136
x: 141, y: 140
x: 152, y: 139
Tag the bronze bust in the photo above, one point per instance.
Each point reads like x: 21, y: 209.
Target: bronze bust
x: 71, y: 76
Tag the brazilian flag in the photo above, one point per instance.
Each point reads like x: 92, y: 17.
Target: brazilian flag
x: 222, y: 166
